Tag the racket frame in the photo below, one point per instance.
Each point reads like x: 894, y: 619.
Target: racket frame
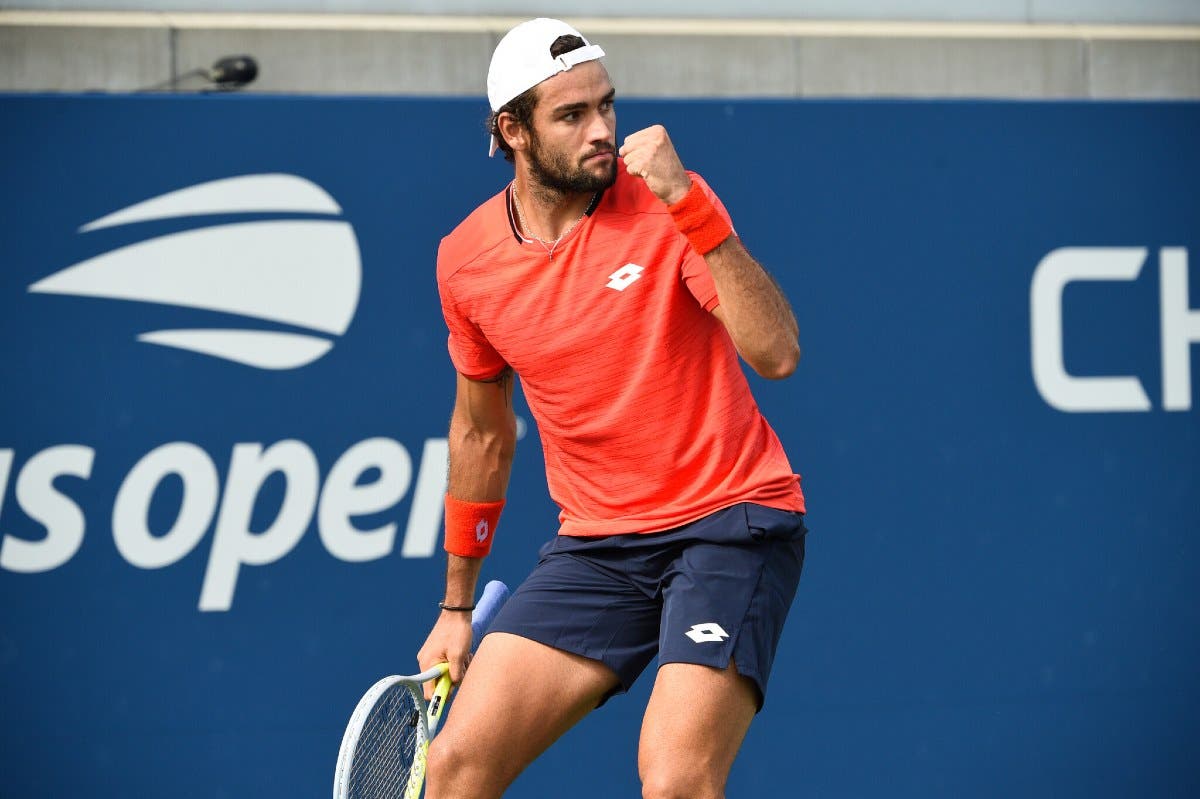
x: 429, y: 718
x: 494, y: 595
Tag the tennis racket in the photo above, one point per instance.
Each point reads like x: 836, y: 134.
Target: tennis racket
x: 383, y: 751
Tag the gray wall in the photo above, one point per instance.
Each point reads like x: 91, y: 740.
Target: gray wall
x: 1157, y: 12
x: 426, y: 55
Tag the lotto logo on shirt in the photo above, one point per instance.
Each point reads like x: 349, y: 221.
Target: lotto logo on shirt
x: 624, y: 277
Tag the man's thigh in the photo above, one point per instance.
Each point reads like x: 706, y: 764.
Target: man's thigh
x: 694, y: 725
x: 517, y: 698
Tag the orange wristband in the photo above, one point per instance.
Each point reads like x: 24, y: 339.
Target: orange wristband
x: 698, y: 219
x: 470, y: 526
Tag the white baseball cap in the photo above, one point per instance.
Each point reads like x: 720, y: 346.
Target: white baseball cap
x: 522, y: 60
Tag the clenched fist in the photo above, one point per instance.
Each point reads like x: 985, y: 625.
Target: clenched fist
x: 650, y: 155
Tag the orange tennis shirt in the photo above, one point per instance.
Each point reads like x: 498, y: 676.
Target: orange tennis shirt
x: 645, y: 416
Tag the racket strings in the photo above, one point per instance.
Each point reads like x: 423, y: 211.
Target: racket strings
x: 387, y: 747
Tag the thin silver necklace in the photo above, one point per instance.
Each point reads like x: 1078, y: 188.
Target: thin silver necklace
x: 548, y: 246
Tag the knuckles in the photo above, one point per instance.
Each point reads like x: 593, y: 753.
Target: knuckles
x: 654, y: 137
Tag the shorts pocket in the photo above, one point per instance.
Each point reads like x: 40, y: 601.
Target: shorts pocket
x: 774, y: 524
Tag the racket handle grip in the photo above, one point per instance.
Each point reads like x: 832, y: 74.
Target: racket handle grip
x: 495, y: 593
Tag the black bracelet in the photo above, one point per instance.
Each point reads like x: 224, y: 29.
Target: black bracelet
x: 464, y: 608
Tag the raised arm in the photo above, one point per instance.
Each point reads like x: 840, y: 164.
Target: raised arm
x: 754, y: 311
x: 482, y: 442
x: 753, y: 308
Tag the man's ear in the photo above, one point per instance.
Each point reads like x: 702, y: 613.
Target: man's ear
x: 513, y: 131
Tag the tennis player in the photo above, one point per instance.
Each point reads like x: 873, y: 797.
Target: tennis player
x: 612, y: 282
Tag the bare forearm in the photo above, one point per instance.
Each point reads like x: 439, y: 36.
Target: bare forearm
x: 482, y: 442
x: 754, y: 310
x: 480, y: 464
x: 462, y: 575
x: 483, y: 439
x: 477, y: 474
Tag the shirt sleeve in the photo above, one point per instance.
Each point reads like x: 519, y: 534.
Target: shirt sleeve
x: 695, y: 269
x: 471, y: 353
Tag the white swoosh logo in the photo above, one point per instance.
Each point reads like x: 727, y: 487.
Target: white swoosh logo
x: 243, y: 194
x: 305, y: 273
x: 261, y: 348
x: 283, y: 271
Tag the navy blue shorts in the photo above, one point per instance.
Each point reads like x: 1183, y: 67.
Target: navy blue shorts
x: 712, y: 591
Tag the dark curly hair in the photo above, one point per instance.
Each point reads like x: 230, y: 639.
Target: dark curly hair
x: 522, y: 106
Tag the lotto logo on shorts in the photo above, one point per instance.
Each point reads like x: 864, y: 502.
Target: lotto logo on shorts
x: 707, y: 632
x: 623, y: 277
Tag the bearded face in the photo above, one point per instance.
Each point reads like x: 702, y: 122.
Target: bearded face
x: 567, y: 173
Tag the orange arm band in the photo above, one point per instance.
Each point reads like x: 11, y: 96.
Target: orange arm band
x: 699, y: 220
x: 470, y: 526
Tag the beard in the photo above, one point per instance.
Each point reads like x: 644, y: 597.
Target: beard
x: 554, y: 171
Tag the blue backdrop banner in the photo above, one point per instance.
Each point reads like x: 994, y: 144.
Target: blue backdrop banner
x: 222, y: 439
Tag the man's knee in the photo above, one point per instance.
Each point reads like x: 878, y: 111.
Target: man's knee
x: 673, y: 784
x: 443, y: 758
x: 451, y: 771
x: 439, y: 765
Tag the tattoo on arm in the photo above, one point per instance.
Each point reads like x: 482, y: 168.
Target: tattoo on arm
x: 503, y: 380
x: 501, y: 377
